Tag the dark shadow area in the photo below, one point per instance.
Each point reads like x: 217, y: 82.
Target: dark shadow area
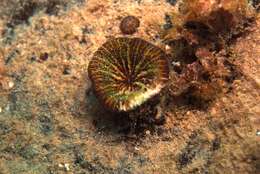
x: 183, y: 51
x: 23, y: 13
x: 191, y: 101
x: 132, y: 124
x: 20, y: 12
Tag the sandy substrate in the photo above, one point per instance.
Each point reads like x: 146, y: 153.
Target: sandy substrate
x: 50, y: 121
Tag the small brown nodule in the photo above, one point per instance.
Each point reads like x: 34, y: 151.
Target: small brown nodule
x: 129, y: 25
x: 44, y: 56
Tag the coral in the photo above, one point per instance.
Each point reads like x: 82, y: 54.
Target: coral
x: 50, y: 119
x: 129, y: 25
x: 126, y: 72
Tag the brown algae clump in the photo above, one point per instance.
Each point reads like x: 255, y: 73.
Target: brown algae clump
x: 126, y: 72
x: 129, y: 25
x: 207, y: 21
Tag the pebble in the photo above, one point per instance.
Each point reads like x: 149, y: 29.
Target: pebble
x: 67, y: 166
x: 11, y: 85
x: 66, y: 71
x: 136, y: 148
x: 258, y: 133
x: 147, y: 132
x: 176, y: 63
x: 168, y: 49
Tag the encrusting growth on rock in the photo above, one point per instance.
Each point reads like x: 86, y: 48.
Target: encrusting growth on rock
x: 126, y: 72
x: 198, y: 42
x: 207, y: 21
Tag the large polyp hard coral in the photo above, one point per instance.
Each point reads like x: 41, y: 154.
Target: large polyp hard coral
x: 126, y: 72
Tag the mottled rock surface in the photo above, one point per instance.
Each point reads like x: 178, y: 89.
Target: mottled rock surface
x: 51, y: 123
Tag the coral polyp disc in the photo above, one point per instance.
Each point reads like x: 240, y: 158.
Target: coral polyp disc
x: 126, y: 72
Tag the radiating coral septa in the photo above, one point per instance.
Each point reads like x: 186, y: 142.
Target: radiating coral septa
x: 127, y: 72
